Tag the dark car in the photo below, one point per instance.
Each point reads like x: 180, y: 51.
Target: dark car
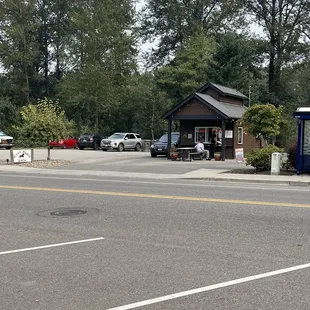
x: 89, y: 141
x: 159, y: 147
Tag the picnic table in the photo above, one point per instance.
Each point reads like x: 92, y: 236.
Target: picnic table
x: 184, y: 152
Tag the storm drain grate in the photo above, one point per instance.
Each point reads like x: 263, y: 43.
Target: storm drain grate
x: 67, y: 212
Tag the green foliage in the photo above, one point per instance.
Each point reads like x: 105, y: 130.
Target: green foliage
x: 284, y: 24
x: 175, y: 22
x: 144, y: 105
x: 8, y: 113
x: 42, y: 122
x: 263, y: 121
x: 189, y: 69
x: 260, y: 159
x: 236, y: 63
x: 292, y: 154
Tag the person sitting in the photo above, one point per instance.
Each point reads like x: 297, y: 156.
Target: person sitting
x: 200, y: 148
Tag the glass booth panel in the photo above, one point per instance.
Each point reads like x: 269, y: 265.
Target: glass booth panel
x: 306, y: 145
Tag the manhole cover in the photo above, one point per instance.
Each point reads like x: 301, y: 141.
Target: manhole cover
x: 67, y: 212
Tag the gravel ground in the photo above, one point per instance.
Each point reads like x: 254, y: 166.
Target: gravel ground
x: 42, y: 163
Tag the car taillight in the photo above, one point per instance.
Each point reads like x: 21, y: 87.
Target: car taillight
x: 91, y: 139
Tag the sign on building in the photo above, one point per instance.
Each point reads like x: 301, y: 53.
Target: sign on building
x: 22, y: 156
x: 239, y: 155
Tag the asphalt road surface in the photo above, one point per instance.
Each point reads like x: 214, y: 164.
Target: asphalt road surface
x: 93, y: 243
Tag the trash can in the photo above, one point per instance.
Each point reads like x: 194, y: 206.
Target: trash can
x: 146, y: 145
x: 275, y: 163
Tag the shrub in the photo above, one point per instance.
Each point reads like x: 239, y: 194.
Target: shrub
x: 292, y: 154
x: 260, y: 159
x: 42, y: 122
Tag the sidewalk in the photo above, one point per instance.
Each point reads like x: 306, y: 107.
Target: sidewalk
x: 200, y: 174
x: 221, y: 175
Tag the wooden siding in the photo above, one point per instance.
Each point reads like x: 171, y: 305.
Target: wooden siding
x: 187, y: 127
x: 194, y: 107
x: 231, y: 100
x: 211, y: 92
x: 249, y: 142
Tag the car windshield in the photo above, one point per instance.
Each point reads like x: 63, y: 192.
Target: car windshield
x: 117, y: 136
x: 2, y: 133
x: 164, y: 138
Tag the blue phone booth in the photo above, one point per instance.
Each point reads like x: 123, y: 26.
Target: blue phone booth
x: 303, y: 149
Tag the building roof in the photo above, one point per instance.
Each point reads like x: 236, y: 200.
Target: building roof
x: 303, y: 113
x: 229, y: 110
x: 224, y: 90
x: 226, y: 110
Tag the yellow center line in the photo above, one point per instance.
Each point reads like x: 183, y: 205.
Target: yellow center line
x: 155, y: 196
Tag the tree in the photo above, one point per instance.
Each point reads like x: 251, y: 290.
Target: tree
x: 263, y: 121
x: 18, y: 47
x: 102, y: 50
x: 8, y: 113
x: 42, y: 122
x: 188, y: 70
x: 143, y: 106
x: 284, y: 22
x: 237, y: 63
x: 174, y: 22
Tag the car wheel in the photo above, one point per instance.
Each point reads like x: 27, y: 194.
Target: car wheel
x: 8, y: 147
x: 63, y: 146
x: 138, y: 147
x: 153, y: 154
x: 120, y: 147
x: 81, y: 147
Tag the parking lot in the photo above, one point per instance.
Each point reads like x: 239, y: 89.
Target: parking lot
x: 127, y: 161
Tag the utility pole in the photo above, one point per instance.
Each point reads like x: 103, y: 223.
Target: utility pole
x: 250, y: 95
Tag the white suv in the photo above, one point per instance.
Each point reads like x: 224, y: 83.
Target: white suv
x: 5, y: 141
x: 122, y: 141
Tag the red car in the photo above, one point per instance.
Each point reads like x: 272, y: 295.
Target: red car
x: 64, y: 143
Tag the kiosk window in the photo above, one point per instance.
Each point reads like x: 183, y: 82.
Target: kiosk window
x: 203, y: 133
x: 240, y: 135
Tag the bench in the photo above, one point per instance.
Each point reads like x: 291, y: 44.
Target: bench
x: 196, y: 155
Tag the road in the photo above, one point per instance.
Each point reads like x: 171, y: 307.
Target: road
x: 134, y: 244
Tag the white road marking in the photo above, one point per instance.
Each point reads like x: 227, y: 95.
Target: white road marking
x: 181, y: 182
x: 209, y: 288
x: 50, y: 246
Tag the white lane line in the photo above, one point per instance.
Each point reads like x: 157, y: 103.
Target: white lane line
x: 51, y: 246
x: 209, y: 288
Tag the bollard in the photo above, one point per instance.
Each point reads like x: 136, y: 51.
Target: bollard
x: 48, y: 153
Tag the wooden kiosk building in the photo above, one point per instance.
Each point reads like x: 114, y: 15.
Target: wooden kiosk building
x: 213, y: 109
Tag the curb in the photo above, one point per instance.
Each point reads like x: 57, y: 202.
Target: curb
x: 159, y: 176
x: 277, y: 182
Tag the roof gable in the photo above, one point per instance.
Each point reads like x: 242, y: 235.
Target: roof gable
x: 229, y: 110
x: 225, y: 110
x: 223, y: 90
